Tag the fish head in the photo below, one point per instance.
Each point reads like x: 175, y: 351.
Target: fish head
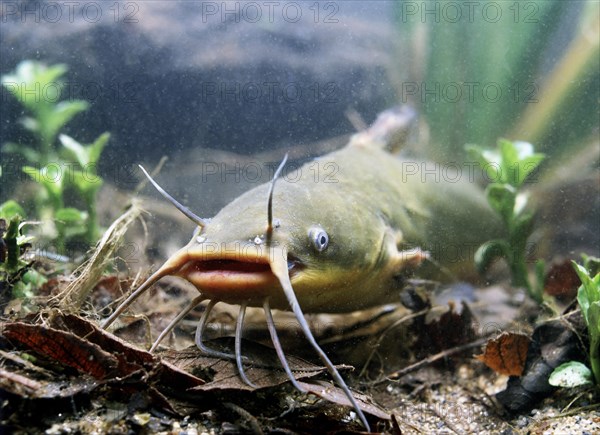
x: 330, y: 250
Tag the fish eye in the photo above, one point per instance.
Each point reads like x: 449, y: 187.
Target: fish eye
x: 319, y: 238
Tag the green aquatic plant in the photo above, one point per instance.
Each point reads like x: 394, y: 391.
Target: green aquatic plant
x: 38, y: 88
x: 479, y: 71
x: 16, y: 274
x: 574, y: 373
x: 588, y: 296
x: 85, y: 178
x: 508, y: 167
x: 56, y: 169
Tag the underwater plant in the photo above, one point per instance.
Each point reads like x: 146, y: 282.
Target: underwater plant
x: 16, y: 274
x: 38, y: 88
x: 575, y: 373
x: 509, y: 76
x: 509, y: 166
x: 56, y: 169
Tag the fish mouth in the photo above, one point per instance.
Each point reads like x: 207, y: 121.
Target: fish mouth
x: 233, y: 277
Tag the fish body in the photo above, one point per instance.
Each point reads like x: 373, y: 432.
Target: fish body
x: 382, y: 216
x: 342, y: 233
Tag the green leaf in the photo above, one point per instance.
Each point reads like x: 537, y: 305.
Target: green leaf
x: 74, y: 149
x: 489, y: 160
x: 511, y: 152
x: 34, y: 278
x: 522, y: 227
x: 588, y: 296
x: 87, y: 183
x: 518, y: 161
x: 86, y: 156
x: 584, y: 302
x: 30, y: 79
x: 592, y: 264
x: 28, y: 152
x: 11, y: 208
x: 70, y: 215
x: 61, y: 114
x: 591, y: 285
x: 490, y: 251
x: 571, y: 374
x: 29, y: 123
x: 97, y: 147
x: 502, y: 199
x: 527, y: 166
x: 49, y: 177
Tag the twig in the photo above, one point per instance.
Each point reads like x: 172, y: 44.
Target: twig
x: 429, y: 360
x: 254, y: 424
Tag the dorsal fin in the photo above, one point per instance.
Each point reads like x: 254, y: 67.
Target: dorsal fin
x: 390, y: 130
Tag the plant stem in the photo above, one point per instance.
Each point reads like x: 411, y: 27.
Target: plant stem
x: 92, y: 223
x: 595, y: 359
x: 12, y: 259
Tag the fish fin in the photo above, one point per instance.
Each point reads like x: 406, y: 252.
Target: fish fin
x: 390, y: 131
x: 402, y: 260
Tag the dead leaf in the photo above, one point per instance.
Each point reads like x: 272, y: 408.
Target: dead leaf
x: 263, y: 367
x: 552, y: 343
x: 64, y: 347
x: 562, y: 281
x: 334, y: 394
x: 506, y: 353
x: 130, y: 358
x: 451, y: 329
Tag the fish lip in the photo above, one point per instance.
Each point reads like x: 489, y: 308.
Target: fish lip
x: 233, y: 275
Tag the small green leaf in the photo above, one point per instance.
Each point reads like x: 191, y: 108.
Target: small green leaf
x: 523, y: 149
x: 49, y: 177
x: 502, y: 199
x: 592, y: 264
x: 36, y: 76
x: 97, y: 147
x: 61, y: 114
x: 11, y: 208
x: 518, y: 161
x: 490, y: 251
x: 70, y: 215
x: 34, y: 278
x: 522, y: 226
x: 488, y: 160
x: 86, y: 155
x: 30, y: 124
x: 87, y: 183
x: 28, y: 152
x: 571, y: 374
x: 584, y: 302
x: 527, y: 166
x: 589, y: 284
x: 74, y: 149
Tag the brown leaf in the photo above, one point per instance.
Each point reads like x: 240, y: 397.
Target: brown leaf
x: 334, y: 394
x: 63, y: 346
x: 130, y: 358
x: 562, y: 281
x: 451, y: 329
x: 506, y: 353
x: 262, y: 367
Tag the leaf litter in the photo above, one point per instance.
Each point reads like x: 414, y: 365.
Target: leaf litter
x: 421, y: 373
